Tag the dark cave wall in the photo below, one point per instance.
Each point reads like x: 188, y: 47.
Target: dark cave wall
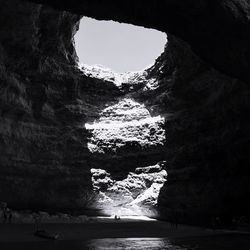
x: 38, y: 88
x: 207, y: 138
x: 45, y: 100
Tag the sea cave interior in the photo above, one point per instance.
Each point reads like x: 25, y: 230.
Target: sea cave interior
x: 158, y: 133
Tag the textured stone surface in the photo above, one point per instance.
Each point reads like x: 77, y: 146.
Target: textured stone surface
x: 47, y: 103
x: 125, y: 124
x: 37, y: 81
x: 137, y: 194
x: 207, y: 141
x: 46, y: 100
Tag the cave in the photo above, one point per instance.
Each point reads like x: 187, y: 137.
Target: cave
x: 194, y: 101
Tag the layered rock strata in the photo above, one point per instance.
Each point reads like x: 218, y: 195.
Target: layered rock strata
x: 55, y: 117
x: 137, y: 194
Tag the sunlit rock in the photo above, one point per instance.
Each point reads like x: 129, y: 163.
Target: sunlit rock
x: 118, y: 79
x: 101, y: 179
x: 137, y: 194
x: 124, y: 124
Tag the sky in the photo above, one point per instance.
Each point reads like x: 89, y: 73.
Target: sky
x: 120, y: 47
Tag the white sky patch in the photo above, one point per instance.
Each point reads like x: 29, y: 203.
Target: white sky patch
x: 119, y: 46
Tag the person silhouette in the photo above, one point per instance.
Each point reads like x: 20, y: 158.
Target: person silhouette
x: 5, y: 215
x: 9, y: 216
x: 3, y: 207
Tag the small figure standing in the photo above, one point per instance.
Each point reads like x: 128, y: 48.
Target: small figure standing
x: 176, y: 220
x: 3, y: 207
x: 37, y: 221
x: 8, y: 216
x: 4, y: 215
x: 217, y: 222
x: 213, y: 223
x: 234, y: 223
x: 117, y: 217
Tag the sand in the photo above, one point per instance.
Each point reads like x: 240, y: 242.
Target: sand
x: 104, y: 228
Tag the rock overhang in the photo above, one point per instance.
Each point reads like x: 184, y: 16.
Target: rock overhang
x: 216, y: 30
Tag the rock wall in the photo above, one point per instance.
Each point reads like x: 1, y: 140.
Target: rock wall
x: 207, y: 140
x: 135, y: 195
x: 38, y: 79
x: 56, y: 118
x: 47, y: 103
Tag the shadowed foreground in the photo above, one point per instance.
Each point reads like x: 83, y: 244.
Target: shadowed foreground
x: 123, y: 234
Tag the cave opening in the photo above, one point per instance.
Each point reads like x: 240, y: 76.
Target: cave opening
x: 125, y: 134
x: 117, y: 46
x: 128, y: 141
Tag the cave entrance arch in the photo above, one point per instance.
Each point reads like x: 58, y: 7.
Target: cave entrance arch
x: 124, y: 127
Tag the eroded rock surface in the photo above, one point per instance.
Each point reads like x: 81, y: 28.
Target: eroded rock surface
x: 46, y: 100
x: 126, y: 124
x: 137, y: 194
x: 55, y: 119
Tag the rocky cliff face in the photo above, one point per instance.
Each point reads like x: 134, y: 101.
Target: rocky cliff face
x: 206, y: 140
x: 66, y: 131
x: 38, y: 80
x: 56, y: 119
x: 137, y: 194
